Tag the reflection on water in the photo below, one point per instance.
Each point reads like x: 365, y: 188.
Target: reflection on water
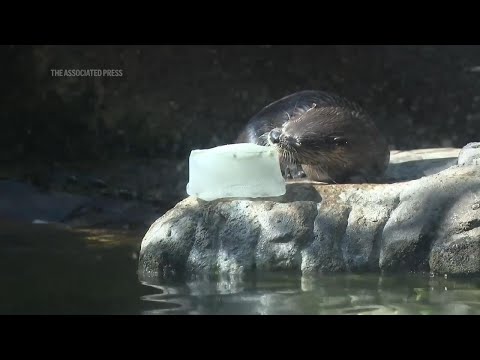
x: 46, y: 270
x: 50, y: 270
x: 325, y: 294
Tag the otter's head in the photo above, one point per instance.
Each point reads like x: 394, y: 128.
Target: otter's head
x: 330, y: 142
x: 318, y: 135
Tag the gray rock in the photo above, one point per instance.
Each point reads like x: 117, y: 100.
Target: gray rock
x: 457, y: 249
x: 431, y: 223
x: 24, y: 202
x: 413, y: 164
x: 470, y: 154
x: 422, y: 216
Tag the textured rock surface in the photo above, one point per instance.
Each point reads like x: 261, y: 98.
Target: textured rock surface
x: 470, y: 154
x: 431, y: 223
x: 24, y: 203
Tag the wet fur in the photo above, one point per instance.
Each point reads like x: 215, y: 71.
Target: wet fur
x: 312, y: 119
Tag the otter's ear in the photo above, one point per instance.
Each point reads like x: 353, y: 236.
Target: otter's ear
x: 340, y: 140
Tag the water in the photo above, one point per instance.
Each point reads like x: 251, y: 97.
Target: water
x: 46, y: 270
x: 320, y: 295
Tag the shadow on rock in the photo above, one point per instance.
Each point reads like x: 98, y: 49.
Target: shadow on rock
x: 415, y: 169
x: 429, y: 214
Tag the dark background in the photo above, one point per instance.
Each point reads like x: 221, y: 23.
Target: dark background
x: 172, y: 99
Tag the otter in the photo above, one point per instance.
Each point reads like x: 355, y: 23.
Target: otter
x: 321, y: 136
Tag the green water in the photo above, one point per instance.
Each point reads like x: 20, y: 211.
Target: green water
x: 47, y: 271
x: 328, y: 294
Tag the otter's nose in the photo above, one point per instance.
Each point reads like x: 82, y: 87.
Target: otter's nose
x: 274, y: 136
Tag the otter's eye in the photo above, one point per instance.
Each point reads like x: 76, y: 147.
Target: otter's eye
x: 274, y: 136
x: 340, y: 141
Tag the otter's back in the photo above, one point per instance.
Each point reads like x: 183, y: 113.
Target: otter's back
x: 291, y: 106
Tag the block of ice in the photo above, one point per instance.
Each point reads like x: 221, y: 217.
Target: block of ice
x: 235, y: 170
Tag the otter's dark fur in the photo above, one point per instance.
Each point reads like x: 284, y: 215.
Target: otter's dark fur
x: 321, y: 135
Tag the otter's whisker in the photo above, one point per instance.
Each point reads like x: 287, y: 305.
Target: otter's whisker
x: 324, y: 171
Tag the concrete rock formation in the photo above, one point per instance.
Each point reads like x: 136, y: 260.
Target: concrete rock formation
x: 426, y: 217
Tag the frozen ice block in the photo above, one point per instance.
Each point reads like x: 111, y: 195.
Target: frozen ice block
x: 235, y: 171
